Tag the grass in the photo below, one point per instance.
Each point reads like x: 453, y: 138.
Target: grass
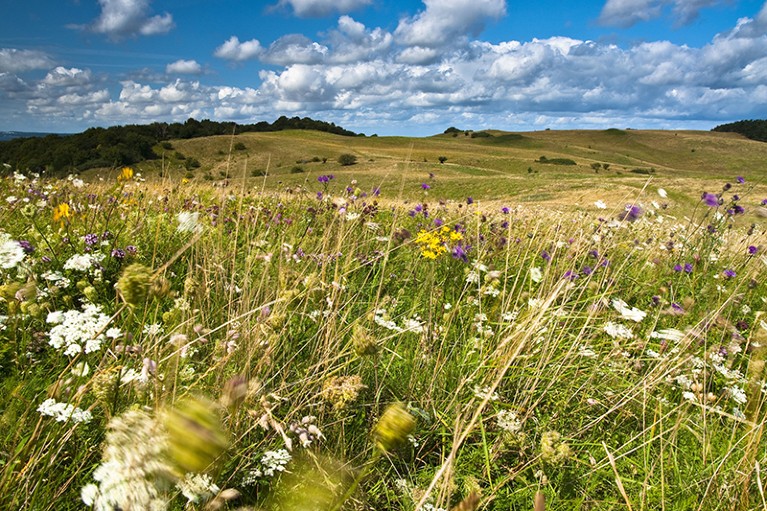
x: 363, y: 343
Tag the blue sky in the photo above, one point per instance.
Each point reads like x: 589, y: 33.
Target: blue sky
x: 391, y: 68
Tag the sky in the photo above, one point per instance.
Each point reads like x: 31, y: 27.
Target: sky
x: 412, y: 67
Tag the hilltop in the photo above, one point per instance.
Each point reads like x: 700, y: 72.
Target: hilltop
x: 563, y: 167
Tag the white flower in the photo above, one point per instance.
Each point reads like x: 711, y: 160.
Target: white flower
x: 197, y: 488
x: 618, y: 331
x: 484, y: 393
x: 63, y: 412
x: 662, y: 193
x: 188, y: 221
x: 600, y: 204
x: 83, y: 262
x: 536, y: 275
x: 737, y: 394
x: 632, y: 313
x: 689, y: 396
x: 668, y: 334
x: 585, y: 350
x: 508, y: 420
x: 11, y: 252
x: 78, y: 332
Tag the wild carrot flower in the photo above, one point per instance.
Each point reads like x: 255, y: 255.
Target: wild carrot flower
x: 11, y: 252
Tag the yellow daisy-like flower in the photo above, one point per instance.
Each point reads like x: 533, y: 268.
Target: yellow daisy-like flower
x: 126, y: 174
x: 61, y: 212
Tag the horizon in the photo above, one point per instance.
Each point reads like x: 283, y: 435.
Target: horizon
x: 410, y: 69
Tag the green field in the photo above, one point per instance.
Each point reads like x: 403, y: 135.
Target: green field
x: 506, y: 331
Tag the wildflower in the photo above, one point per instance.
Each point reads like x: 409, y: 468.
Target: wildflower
x: 61, y: 212
x: 126, y: 174
x: 536, y: 275
x: 711, y: 200
x: 197, y: 488
x: 340, y: 391
x: 631, y: 213
x: 395, y: 425
x: 132, y: 473
x: 508, y: 420
x: 469, y: 200
x: 553, y: 449
x: 134, y: 284
x: 306, y: 431
x: 188, y: 221
x: 271, y: 462
x: 83, y: 262
x: 632, y: 314
x: 600, y: 204
x: 63, y: 412
x: 662, y: 193
x: 752, y: 250
x: 740, y: 179
x: 425, y: 186
x: 729, y: 273
x: 618, y: 331
x: 11, y: 252
x: 76, y: 331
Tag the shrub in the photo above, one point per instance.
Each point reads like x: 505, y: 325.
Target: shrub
x: 296, y: 169
x: 442, y: 159
x: 239, y: 146
x: 347, y: 159
x: 167, y: 146
x: 179, y: 156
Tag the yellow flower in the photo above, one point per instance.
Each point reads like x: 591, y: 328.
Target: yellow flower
x: 61, y: 212
x: 126, y: 174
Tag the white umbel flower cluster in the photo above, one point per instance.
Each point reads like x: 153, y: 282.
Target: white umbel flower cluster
x: 11, y: 252
x: 77, y: 332
x: 84, y: 262
x: 198, y: 488
x: 63, y: 412
x: 272, y: 462
x: 133, y: 473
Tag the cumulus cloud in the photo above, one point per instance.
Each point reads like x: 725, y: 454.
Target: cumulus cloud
x: 237, y: 51
x: 63, y: 77
x: 320, y: 8
x: 184, y: 67
x: 126, y: 18
x: 625, y: 13
x: 18, y: 61
x: 445, y: 21
x: 294, y: 49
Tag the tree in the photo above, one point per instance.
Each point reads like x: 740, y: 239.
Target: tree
x: 442, y: 159
x: 347, y: 159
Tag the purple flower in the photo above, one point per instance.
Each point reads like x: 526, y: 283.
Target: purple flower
x: 571, y: 275
x: 319, y: 195
x: 740, y: 179
x: 505, y: 210
x: 459, y: 252
x: 738, y: 209
x: 710, y: 199
x: 118, y: 253
x: 323, y: 179
x: 26, y: 246
x: 469, y: 200
x: 425, y: 186
x: 376, y: 191
x: 587, y: 270
x: 677, y: 267
x: 91, y: 239
x: 676, y: 307
x: 438, y: 222
x: 752, y: 250
x: 729, y: 273
x: 546, y: 256
x: 764, y: 202
x: 131, y: 250
x: 688, y: 267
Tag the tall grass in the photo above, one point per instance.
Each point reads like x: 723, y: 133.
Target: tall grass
x: 253, y: 342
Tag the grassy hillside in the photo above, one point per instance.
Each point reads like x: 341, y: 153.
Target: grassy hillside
x: 503, y: 167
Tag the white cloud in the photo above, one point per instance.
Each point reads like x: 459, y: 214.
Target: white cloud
x: 448, y: 21
x: 125, y: 18
x: 320, y: 8
x: 294, y: 49
x: 17, y: 61
x: 189, y: 67
x: 625, y: 13
x: 62, y: 77
x: 236, y: 51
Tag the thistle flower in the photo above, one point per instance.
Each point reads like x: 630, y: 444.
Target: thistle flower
x: 392, y: 429
x: 710, y: 199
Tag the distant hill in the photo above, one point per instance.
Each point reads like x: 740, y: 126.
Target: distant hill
x: 755, y: 129
x: 10, y: 135
x: 126, y: 145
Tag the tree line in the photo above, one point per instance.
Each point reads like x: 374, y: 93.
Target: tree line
x: 755, y: 129
x: 126, y: 145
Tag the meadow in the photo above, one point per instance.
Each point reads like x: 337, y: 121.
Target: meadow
x: 489, y: 331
